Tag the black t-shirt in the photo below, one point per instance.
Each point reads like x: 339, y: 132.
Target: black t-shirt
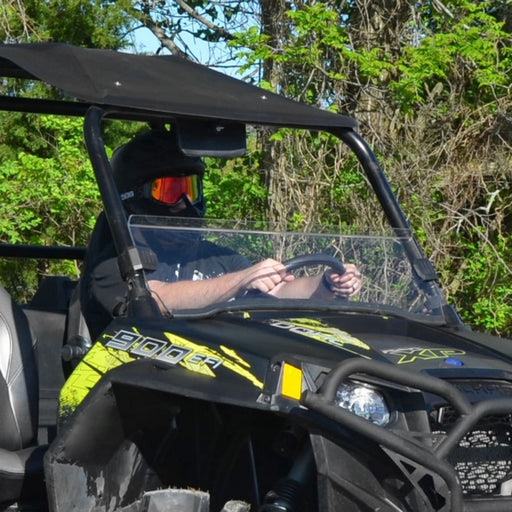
x: 104, y: 289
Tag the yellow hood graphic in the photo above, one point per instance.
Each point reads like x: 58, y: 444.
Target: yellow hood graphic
x: 128, y: 346
x: 320, y: 331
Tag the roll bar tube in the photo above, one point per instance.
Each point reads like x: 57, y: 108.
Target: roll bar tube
x: 421, y: 265
x: 140, y: 300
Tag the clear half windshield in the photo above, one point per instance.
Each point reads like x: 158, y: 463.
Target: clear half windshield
x: 389, y: 284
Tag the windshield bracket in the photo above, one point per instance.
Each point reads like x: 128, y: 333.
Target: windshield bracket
x: 424, y: 269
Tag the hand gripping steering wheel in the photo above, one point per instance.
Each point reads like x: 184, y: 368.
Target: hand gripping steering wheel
x: 306, y: 260
x: 315, y: 259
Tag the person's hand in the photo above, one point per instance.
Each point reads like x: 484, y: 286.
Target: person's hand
x: 347, y: 284
x: 265, y: 276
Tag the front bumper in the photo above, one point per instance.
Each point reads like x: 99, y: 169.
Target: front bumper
x: 425, y: 464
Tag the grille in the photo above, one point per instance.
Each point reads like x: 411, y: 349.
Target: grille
x: 483, y: 459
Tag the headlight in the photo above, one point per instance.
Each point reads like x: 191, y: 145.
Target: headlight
x: 364, y: 402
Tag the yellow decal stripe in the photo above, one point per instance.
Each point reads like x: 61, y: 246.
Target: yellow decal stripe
x: 318, y: 331
x: 88, y: 372
x: 200, y: 367
x: 231, y: 353
x: 325, y: 330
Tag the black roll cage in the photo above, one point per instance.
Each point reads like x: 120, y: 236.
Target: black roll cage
x: 135, y: 107
x: 130, y: 262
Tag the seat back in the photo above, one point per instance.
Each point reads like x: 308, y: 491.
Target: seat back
x: 87, y: 315
x: 18, y: 378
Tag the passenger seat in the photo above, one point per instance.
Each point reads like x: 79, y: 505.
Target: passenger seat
x: 21, y: 460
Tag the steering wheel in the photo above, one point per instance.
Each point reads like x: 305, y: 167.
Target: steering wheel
x: 305, y: 260
x: 315, y: 259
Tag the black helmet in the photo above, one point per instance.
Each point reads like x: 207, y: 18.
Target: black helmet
x: 139, y: 167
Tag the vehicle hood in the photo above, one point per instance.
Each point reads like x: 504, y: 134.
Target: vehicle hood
x: 233, y: 356
x: 397, y: 341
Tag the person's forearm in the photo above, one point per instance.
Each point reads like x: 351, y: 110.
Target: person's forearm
x: 268, y: 276
x: 195, y: 294
x: 263, y: 277
x: 302, y: 288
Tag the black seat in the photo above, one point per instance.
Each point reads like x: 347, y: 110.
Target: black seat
x: 86, y: 317
x: 95, y: 303
x: 21, y: 460
x: 90, y: 313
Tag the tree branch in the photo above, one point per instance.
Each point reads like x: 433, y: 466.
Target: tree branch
x: 165, y: 41
x: 194, y: 14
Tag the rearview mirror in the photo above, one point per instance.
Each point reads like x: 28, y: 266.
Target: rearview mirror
x: 211, y: 138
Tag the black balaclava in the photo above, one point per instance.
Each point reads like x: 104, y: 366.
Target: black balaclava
x: 154, y: 154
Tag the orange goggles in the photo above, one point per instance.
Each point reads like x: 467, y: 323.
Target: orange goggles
x: 171, y: 188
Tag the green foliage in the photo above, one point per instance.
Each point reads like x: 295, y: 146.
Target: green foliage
x: 234, y: 189
x: 49, y: 197
x: 489, y: 305
x: 318, y: 183
x: 89, y: 23
x: 474, y: 51
x: 316, y: 30
x: 93, y: 24
x: 46, y: 183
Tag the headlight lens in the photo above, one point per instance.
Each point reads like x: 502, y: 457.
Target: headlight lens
x: 364, y: 402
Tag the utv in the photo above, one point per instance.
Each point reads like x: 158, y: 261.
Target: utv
x: 384, y: 402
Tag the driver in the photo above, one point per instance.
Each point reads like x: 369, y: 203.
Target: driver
x: 155, y: 178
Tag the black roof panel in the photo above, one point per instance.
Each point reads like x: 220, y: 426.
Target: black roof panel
x: 158, y: 84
